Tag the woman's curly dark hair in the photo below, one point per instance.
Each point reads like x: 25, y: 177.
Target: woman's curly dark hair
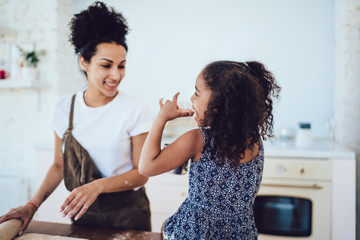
x: 239, y: 112
x: 97, y: 24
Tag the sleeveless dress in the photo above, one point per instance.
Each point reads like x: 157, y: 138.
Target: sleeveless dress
x: 220, y: 201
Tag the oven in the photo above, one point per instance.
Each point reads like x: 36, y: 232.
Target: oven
x: 294, y: 200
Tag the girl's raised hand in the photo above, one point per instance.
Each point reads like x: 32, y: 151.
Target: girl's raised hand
x: 170, y: 110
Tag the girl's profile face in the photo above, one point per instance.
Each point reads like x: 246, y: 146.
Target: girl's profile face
x: 200, y: 99
x: 106, y: 68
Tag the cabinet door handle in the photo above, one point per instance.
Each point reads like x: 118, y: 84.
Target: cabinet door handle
x: 314, y: 186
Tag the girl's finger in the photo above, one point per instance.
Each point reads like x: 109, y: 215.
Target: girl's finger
x: 161, y: 102
x: 176, y: 97
x: 185, y: 112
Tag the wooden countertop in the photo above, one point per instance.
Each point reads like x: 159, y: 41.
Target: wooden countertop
x: 91, y: 233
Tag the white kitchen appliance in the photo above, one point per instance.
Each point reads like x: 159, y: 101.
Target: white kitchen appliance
x: 294, y: 200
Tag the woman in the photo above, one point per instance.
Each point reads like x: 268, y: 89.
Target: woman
x: 99, y: 134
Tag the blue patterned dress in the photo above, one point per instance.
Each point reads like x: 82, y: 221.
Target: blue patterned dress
x: 220, y: 201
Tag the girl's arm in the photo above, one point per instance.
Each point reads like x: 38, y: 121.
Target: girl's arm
x: 51, y: 181
x: 81, y: 198
x: 153, y: 160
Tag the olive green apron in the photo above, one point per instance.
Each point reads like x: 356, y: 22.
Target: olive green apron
x: 121, y: 210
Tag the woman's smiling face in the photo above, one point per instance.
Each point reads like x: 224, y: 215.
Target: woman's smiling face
x: 200, y: 99
x: 106, y: 68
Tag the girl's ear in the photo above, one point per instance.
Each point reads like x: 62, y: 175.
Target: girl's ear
x: 83, y: 63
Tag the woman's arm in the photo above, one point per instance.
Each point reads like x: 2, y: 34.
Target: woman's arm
x: 51, y: 181
x: 153, y: 160
x: 53, y: 177
x: 81, y: 198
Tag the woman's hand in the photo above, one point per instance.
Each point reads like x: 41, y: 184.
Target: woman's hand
x: 170, y: 110
x: 25, y: 213
x: 80, y: 199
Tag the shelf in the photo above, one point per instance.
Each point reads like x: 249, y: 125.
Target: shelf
x: 10, y: 84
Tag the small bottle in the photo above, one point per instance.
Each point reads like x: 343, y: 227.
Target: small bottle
x: 304, y: 137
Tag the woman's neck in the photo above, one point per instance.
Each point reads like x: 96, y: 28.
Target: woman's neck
x: 96, y: 99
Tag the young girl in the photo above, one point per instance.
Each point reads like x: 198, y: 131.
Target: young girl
x: 233, y: 107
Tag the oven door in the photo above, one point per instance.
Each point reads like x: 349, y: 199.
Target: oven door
x: 293, y: 209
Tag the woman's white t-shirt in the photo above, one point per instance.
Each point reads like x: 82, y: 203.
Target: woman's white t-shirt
x: 106, y: 131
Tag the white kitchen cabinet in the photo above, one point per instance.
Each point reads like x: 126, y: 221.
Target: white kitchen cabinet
x: 166, y: 192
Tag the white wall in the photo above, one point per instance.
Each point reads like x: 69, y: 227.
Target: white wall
x: 171, y: 41
x: 24, y: 113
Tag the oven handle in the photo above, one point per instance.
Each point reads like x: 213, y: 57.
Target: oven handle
x: 314, y: 186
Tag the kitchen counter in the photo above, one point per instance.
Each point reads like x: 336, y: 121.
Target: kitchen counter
x: 91, y: 233
x: 321, y: 149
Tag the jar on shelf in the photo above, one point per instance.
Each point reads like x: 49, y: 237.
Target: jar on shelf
x: 304, y: 137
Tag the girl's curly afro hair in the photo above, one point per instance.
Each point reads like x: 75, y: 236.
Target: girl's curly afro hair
x: 97, y: 24
x: 240, y: 109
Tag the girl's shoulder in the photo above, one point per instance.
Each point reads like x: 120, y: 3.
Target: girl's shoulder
x: 191, y: 139
x: 195, y: 135
x: 195, y: 140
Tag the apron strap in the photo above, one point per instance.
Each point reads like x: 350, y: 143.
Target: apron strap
x: 71, y: 114
x: 70, y: 127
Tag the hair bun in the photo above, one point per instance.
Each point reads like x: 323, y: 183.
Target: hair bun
x: 97, y: 23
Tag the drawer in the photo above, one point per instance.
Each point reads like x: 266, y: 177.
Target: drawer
x: 320, y: 169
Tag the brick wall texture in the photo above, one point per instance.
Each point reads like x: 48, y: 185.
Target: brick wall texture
x: 24, y: 112
x: 347, y: 83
